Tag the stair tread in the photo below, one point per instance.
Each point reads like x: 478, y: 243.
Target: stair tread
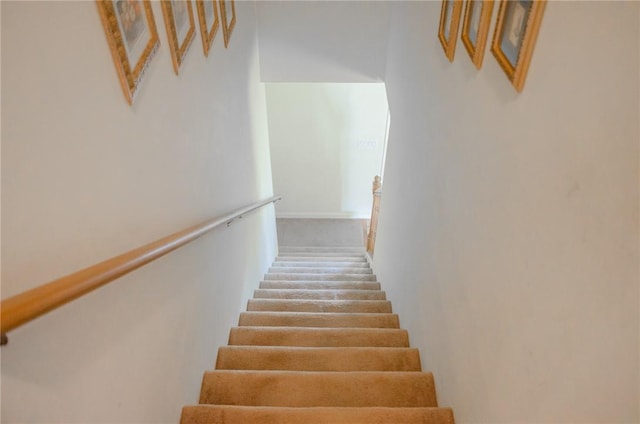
x: 318, y: 358
x: 323, y: 254
x: 319, y: 388
x: 328, y: 264
x: 318, y: 336
x: 319, y: 314
x: 311, y: 285
x: 322, y: 301
x: 301, y: 276
x: 320, y: 305
x: 321, y: 319
x: 344, y: 258
x: 319, y: 270
x: 321, y: 249
x: 320, y: 294
x: 228, y: 414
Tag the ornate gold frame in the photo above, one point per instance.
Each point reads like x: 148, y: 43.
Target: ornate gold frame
x: 178, y: 50
x: 130, y: 75
x: 227, y: 27
x: 453, y: 22
x: 526, y: 33
x: 476, y: 53
x: 207, y: 32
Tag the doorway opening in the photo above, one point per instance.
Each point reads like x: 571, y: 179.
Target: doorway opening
x: 328, y: 141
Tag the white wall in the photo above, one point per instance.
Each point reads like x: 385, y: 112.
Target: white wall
x: 323, y: 41
x: 327, y: 142
x: 508, y: 237
x: 85, y: 177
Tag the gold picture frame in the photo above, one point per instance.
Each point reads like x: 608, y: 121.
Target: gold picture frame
x: 133, y: 40
x: 181, y: 28
x: 515, y: 37
x: 475, y: 28
x: 228, y: 19
x: 209, y: 23
x: 449, y: 23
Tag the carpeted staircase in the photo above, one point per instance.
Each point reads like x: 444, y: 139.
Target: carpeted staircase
x: 318, y: 344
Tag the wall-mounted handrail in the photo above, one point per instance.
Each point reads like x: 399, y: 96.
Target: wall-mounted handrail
x: 24, y: 307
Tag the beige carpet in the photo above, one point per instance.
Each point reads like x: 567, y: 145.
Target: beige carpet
x: 319, y: 343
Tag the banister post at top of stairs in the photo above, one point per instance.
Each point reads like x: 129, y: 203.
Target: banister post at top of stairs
x: 375, y: 208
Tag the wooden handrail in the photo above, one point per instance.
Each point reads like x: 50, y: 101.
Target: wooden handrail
x: 24, y: 307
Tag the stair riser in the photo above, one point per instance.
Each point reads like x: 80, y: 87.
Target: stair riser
x: 318, y: 337
x: 317, y: 359
x: 321, y: 270
x: 319, y: 277
x: 320, y: 294
x: 223, y: 414
x: 342, y: 306
x: 336, y: 320
x: 322, y: 285
x: 354, y: 389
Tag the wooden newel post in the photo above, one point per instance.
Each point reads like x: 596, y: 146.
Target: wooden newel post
x: 373, y: 225
x: 376, y: 184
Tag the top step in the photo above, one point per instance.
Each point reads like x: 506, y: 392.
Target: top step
x: 312, y: 257
x: 301, y: 254
x: 357, y: 249
x: 298, y: 250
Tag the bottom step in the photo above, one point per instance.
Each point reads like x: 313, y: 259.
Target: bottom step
x: 214, y: 414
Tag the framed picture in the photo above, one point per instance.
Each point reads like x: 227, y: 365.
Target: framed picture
x: 209, y: 22
x: 515, y: 37
x: 228, y: 12
x: 475, y: 28
x: 178, y: 18
x: 449, y: 23
x: 133, y: 40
